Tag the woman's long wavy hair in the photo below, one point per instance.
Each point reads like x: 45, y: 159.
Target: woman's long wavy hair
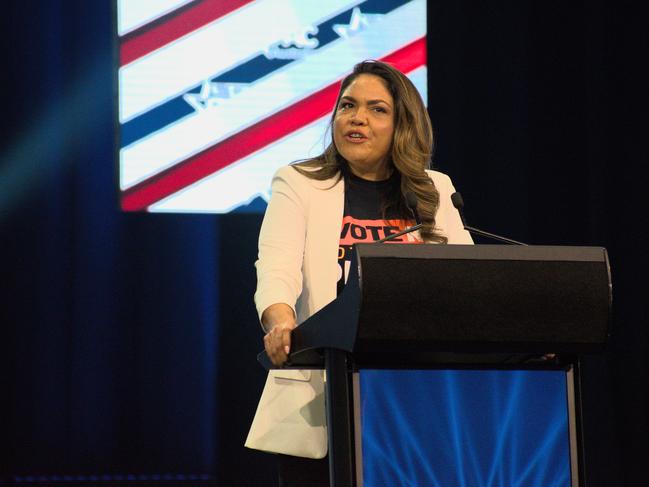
x: 412, y: 148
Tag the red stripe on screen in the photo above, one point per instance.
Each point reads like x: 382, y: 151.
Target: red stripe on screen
x: 173, y: 26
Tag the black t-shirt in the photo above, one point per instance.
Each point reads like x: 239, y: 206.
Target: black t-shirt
x: 363, y: 219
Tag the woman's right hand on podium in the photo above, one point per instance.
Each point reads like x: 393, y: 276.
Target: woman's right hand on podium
x: 279, y: 320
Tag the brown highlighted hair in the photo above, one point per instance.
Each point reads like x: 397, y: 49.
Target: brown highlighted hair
x: 412, y: 147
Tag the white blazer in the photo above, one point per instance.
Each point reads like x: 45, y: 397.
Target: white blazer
x: 298, y: 265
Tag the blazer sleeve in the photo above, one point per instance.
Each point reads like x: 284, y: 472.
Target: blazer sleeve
x: 281, y: 242
x: 448, y: 218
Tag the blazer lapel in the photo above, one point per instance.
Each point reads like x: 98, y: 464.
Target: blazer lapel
x: 321, y: 246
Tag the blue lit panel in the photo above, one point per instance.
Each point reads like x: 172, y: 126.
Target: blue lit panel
x: 215, y: 96
x: 465, y: 428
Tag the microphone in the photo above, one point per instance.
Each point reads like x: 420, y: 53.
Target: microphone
x: 458, y: 203
x: 411, y: 203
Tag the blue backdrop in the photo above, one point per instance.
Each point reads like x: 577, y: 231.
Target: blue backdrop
x: 464, y: 428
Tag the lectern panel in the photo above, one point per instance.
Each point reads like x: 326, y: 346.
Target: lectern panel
x: 464, y: 428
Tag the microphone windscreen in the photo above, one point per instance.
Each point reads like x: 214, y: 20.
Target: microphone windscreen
x: 411, y: 200
x: 457, y: 200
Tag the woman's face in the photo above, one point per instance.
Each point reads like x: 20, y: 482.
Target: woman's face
x: 364, y: 126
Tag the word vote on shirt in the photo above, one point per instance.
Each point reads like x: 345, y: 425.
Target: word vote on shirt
x: 363, y: 221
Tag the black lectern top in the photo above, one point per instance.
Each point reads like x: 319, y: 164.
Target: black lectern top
x: 427, y: 299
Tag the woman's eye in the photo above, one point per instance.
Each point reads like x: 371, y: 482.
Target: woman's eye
x: 345, y: 105
x: 380, y: 109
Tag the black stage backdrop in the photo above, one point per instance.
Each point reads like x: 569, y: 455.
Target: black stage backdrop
x: 130, y: 339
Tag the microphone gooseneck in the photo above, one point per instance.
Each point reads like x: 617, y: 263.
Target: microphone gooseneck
x: 458, y: 203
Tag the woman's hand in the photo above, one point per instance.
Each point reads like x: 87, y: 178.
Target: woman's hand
x: 279, y: 320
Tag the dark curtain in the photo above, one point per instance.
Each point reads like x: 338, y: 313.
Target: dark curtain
x: 541, y: 110
x: 121, y: 356
x: 130, y: 339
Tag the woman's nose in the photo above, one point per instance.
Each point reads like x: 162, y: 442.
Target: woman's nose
x: 359, y: 117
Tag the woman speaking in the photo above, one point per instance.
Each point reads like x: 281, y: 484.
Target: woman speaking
x: 353, y: 192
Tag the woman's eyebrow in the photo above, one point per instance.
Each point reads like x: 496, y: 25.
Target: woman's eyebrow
x: 369, y: 102
x: 378, y: 100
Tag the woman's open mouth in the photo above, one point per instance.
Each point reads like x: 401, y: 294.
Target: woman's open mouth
x: 355, y: 137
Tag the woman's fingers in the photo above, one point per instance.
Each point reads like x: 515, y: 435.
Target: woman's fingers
x: 277, y: 343
x: 286, y: 340
x: 271, y: 348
